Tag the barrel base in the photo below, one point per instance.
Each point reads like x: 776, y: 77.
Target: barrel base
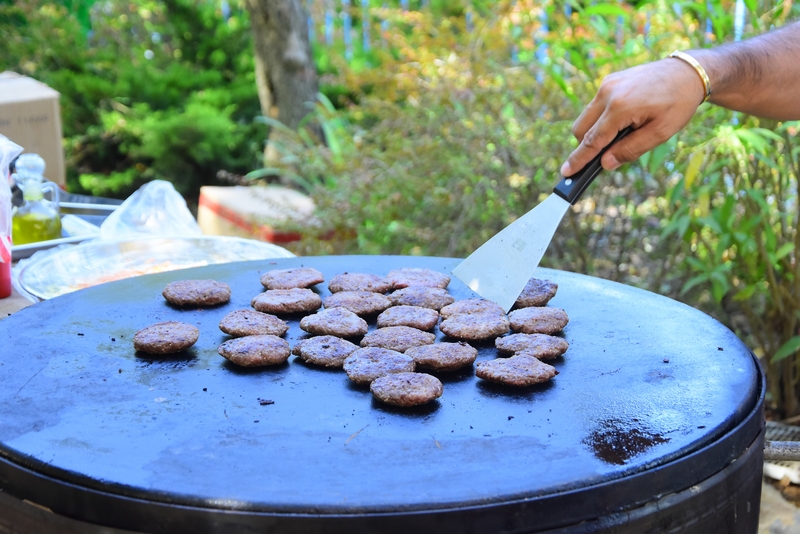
x: 726, y: 502
x: 22, y: 517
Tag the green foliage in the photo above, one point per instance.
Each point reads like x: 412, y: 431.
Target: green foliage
x: 155, y: 89
x: 447, y: 141
x: 740, y: 220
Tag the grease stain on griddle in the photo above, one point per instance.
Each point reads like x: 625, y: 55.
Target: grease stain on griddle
x: 615, y: 441
x: 166, y: 362
x: 657, y: 376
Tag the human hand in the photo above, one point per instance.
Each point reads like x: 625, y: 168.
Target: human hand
x: 657, y: 99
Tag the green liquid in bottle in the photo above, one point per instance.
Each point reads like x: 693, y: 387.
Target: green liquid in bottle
x: 37, y: 219
x: 33, y: 227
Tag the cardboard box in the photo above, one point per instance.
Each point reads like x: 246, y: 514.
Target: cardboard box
x: 257, y: 212
x: 30, y: 116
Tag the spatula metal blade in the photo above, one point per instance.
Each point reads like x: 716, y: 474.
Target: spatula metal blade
x: 500, y: 268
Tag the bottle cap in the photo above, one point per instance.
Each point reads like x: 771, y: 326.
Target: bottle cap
x: 29, y: 166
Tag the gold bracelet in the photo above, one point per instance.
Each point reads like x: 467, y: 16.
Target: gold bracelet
x: 697, y: 67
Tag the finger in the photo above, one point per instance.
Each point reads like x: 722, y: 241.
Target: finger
x: 596, y: 138
x: 632, y: 146
x: 588, y: 117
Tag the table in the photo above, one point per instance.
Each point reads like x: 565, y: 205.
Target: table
x: 12, y: 304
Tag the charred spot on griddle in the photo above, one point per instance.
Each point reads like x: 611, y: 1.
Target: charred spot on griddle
x: 615, y: 441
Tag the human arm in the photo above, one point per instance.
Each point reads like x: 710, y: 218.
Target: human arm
x: 759, y: 76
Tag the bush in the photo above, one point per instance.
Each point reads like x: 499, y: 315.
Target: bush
x: 449, y: 140
x: 155, y: 89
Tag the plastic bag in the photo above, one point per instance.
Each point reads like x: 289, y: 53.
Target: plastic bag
x: 8, y: 151
x: 155, y: 209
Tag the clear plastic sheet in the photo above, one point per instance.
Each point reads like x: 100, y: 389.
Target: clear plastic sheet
x: 68, y: 268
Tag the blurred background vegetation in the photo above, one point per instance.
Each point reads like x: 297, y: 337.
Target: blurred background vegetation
x: 448, y: 121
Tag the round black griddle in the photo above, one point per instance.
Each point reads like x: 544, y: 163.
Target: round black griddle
x: 192, y: 443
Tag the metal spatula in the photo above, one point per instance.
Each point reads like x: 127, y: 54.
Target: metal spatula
x: 500, y: 268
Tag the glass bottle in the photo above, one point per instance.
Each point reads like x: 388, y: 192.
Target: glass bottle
x: 37, y: 219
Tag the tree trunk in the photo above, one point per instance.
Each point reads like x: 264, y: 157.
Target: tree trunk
x: 286, y: 76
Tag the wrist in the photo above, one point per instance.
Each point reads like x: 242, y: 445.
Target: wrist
x: 702, y: 76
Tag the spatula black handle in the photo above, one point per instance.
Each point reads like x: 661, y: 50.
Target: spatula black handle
x: 570, y: 188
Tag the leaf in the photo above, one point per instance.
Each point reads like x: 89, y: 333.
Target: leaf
x: 763, y: 132
x: 333, y: 141
x: 745, y: 293
x: 694, y: 281
x: 718, y: 289
x: 771, y: 240
x: 326, y: 102
x: 752, y: 6
x: 757, y: 139
x: 677, y: 225
x: 657, y: 156
x: 508, y: 111
x: 607, y: 9
x: 725, y: 212
x: 787, y: 349
x: 704, y: 201
x: 693, y: 168
x: 565, y: 87
x: 261, y: 173
x: 275, y: 123
x: 644, y: 160
x: 785, y: 249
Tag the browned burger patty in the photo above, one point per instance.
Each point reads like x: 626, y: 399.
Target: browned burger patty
x: 358, y: 302
x: 538, y: 320
x: 197, y: 293
x: 536, y: 293
x: 540, y: 346
x: 416, y: 276
x: 287, y: 301
x: 255, y: 351
x: 334, y: 322
x: 165, y: 338
x: 475, y: 327
x: 406, y: 389
x: 426, y: 297
x: 366, y: 364
x: 471, y: 306
x: 327, y: 351
x: 413, y: 316
x: 291, y: 278
x: 516, y: 371
x: 359, y: 282
x: 242, y: 323
x: 399, y: 338
x: 443, y: 356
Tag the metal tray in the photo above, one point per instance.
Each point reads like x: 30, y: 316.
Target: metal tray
x: 91, y: 263
x: 94, y: 213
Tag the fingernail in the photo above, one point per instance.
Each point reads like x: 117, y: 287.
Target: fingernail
x: 565, y: 170
x: 612, y: 162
